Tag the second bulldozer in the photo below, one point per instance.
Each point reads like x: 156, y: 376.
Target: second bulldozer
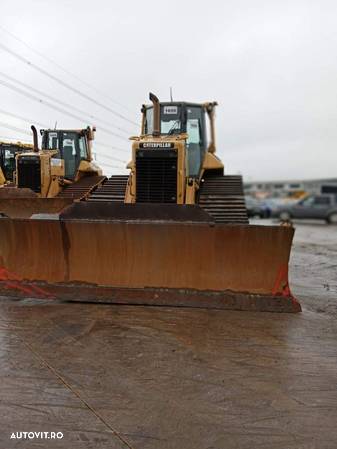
x: 8, y: 151
x: 49, y: 179
x: 173, y: 232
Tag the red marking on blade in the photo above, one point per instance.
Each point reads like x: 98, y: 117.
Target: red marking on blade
x: 281, y: 286
x: 15, y: 286
x: 13, y: 281
x: 42, y: 291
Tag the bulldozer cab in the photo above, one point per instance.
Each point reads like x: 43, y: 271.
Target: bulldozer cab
x: 64, y: 160
x: 71, y: 146
x: 173, y: 153
x: 182, y: 118
x: 7, y: 158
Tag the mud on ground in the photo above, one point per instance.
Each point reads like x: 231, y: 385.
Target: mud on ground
x: 159, y: 378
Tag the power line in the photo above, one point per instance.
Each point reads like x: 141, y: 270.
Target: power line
x: 112, y: 158
x: 14, y: 128
x: 110, y: 147
x: 63, y: 111
x: 14, y: 139
x: 114, y: 166
x: 43, y: 125
x: 24, y: 119
x: 64, y: 84
x: 61, y: 68
x: 67, y: 105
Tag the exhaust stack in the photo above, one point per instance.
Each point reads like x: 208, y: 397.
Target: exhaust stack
x: 156, y: 115
x: 35, y: 139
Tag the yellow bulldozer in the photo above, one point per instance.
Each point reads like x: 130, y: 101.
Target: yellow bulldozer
x: 8, y: 151
x: 173, y: 163
x: 173, y: 232
x: 49, y: 179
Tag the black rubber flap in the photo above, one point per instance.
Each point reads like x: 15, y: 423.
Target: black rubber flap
x: 135, y: 212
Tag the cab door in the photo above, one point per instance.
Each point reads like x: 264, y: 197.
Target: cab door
x: 321, y: 206
x: 303, y: 208
x: 316, y: 206
x: 196, y: 141
x: 70, y: 153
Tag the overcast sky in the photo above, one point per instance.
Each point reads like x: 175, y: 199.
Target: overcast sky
x: 271, y: 65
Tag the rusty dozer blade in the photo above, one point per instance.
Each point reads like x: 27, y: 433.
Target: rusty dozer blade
x: 132, y: 254
x: 10, y: 191
x: 22, y: 207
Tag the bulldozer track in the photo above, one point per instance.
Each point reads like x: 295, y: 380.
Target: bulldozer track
x: 223, y: 198
x: 82, y: 188
x: 111, y: 189
x: 220, y: 196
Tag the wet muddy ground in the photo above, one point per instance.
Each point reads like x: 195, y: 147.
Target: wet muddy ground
x: 156, y: 378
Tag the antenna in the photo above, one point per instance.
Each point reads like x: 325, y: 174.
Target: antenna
x: 171, y: 95
x: 55, y: 124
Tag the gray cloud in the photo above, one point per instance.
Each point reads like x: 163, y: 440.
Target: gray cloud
x: 271, y: 65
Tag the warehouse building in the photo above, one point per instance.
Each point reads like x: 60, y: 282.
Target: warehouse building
x: 277, y: 189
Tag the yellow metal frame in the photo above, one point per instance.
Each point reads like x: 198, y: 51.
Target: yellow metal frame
x: 187, y: 187
x: 53, y: 170
x: 23, y: 146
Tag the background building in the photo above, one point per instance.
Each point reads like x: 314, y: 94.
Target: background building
x: 294, y: 187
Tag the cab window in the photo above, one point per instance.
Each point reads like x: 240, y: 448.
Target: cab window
x: 196, y: 141
x: 83, y: 148
x: 170, y: 120
x: 70, y: 153
x: 316, y: 201
x: 307, y: 201
x: 149, y: 121
x: 322, y: 200
x: 53, y: 142
x: 193, y: 147
x: 8, y: 162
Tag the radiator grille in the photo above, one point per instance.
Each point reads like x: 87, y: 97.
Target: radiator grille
x: 29, y: 173
x: 156, y: 176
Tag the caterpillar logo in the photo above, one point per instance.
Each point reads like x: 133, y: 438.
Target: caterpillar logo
x: 156, y: 145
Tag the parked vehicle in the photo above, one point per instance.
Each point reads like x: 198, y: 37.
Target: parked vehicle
x: 256, y: 208
x: 271, y: 204
x: 314, y: 206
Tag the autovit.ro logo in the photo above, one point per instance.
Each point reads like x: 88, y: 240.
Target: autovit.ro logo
x: 36, y: 435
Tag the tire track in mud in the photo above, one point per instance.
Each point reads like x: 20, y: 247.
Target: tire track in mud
x: 74, y: 391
